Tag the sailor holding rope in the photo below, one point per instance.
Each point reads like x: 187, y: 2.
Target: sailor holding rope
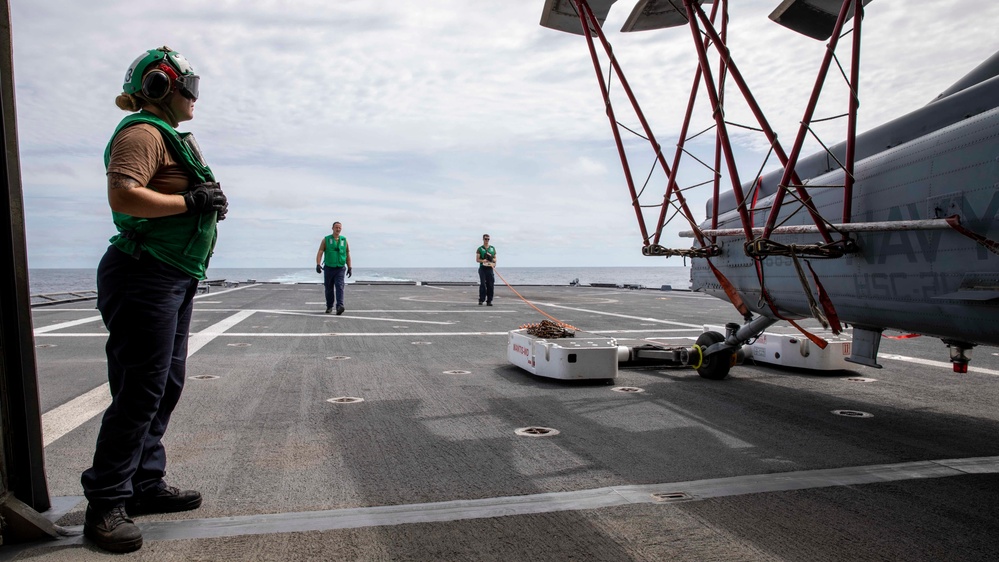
x: 485, y: 255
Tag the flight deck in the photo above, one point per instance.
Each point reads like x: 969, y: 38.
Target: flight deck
x: 400, y: 430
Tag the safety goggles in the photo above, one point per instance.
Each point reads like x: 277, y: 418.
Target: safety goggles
x: 187, y: 85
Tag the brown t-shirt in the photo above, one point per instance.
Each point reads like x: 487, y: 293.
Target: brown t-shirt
x: 139, y: 152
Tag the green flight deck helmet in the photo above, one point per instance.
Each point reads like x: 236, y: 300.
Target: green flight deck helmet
x: 158, y: 72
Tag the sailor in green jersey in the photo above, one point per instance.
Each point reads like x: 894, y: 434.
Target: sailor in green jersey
x: 486, y: 256
x: 333, y: 260
x: 165, y: 203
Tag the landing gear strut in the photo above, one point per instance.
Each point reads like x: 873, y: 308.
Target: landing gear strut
x: 719, y: 353
x: 714, y: 366
x: 712, y: 355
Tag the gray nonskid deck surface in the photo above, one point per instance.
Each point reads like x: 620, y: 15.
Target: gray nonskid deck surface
x: 428, y: 467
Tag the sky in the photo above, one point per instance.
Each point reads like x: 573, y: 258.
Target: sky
x: 422, y: 125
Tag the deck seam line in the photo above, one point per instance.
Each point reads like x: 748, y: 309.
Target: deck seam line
x: 613, y: 496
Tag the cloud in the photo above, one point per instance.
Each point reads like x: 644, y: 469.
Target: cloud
x: 419, y: 125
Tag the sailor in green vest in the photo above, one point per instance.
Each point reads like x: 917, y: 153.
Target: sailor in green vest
x: 485, y: 255
x: 165, y: 204
x: 333, y: 259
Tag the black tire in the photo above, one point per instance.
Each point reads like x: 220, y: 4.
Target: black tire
x: 716, y: 365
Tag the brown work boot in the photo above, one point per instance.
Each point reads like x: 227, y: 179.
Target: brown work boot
x: 111, y: 529
x: 164, y: 500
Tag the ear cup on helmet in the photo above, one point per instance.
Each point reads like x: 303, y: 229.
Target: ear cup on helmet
x: 158, y: 82
x: 156, y: 85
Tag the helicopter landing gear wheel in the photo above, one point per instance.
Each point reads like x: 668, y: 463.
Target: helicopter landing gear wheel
x: 716, y: 365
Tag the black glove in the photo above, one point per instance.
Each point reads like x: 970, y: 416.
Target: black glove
x: 225, y: 209
x: 225, y: 204
x: 319, y: 268
x: 206, y: 198
x: 349, y: 271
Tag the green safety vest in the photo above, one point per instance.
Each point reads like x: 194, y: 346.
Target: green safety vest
x: 335, y: 254
x: 483, y: 251
x: 183, y: 241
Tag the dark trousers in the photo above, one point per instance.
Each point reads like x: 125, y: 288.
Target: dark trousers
x: 333, y: 280
x: 486, y: 281
x: 146, y: 306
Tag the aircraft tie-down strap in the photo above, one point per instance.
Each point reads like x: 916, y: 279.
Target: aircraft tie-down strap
x: 955, y: 222
x: 822, y: 343
x: 733, y: 295
x: 827, y: 304
x: 812, y: 305
x: 773, y: 308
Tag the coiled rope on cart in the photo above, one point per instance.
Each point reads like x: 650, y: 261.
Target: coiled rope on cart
x: 546, y: 328
x: 555, y: 328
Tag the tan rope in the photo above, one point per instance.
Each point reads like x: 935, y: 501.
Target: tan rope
x: 559, y: 323
x: 529, y: 303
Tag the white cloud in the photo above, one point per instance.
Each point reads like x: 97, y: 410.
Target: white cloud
x: 419, y: 125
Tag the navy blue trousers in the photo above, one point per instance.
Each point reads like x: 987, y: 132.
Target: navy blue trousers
x: 486, y: 282
x: 334, y: 280
x: 146, y: 306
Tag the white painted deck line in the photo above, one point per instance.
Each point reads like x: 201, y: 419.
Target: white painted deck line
x: 931, y: 363
x: 65, y: 418
x: 70, y: 324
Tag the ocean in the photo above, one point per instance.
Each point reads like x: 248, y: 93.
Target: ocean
x: 64, y: 280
